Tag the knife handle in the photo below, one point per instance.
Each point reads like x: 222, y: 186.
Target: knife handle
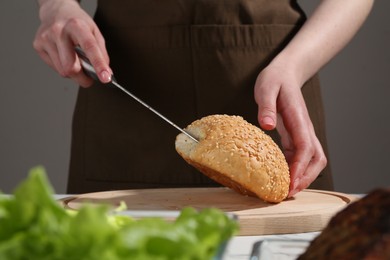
x: 86, y: 64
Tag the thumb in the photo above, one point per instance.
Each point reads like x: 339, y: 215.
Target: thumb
x: 266, y: 117
x: 266, y: 101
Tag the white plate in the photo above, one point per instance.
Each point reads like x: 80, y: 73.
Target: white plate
x: 278, y: 249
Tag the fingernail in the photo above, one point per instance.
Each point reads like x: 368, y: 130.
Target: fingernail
x: 105, y: 76
x: 291, y: 193
x: 268, y: 121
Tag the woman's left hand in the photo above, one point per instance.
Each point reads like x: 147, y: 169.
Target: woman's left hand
x: 281, y: 105
x: 278, y: 87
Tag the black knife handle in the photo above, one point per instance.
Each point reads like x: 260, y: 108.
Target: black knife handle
x: 86, y: 64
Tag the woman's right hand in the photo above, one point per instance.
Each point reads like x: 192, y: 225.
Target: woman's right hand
x: 64, y: 25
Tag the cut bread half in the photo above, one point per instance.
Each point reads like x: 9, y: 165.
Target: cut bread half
x: 238, y: 155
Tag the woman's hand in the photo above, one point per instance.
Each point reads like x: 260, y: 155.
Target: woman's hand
x: 281, y: 105
x: 278, y: 86
x: 64, y: 25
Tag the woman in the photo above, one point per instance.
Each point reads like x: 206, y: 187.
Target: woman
x: 188, y: 59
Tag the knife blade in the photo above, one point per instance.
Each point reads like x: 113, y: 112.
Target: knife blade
x: 90, y: 71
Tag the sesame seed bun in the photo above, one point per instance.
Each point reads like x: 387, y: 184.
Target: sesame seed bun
x: 238, y: 155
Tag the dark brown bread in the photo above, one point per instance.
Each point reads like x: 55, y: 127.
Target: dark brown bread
x: 360, y: 231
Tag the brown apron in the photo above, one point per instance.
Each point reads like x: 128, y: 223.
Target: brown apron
x: 187, y: 59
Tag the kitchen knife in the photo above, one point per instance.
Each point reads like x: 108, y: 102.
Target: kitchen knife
x: 90, y: 71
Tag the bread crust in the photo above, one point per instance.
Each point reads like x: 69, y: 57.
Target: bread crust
x: 238, y: 155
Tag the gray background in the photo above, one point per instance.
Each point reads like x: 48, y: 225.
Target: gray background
x: 36, y: 104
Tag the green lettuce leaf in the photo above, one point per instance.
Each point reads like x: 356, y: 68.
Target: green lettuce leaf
x: 33, y: 225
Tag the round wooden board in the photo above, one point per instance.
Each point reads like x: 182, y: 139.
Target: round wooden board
x: 308, y: 211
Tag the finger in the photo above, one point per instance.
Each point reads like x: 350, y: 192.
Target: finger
x: 102, y: 45
x: 300, y: 154
x: 89, y: 44
x: 46, y: 58
x: 52, y: 52
x: 285, y: 137
x: 305, y: 180
x: 39, y: 48
x: 45, y: 44
x: 298, y: 169
x: 316, y: 165
x: 71, y: 64
x: 266, y: 96
x: 80, y: 77
x: 83, y: 80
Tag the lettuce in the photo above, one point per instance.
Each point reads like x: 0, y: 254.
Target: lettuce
x: 33, y: 225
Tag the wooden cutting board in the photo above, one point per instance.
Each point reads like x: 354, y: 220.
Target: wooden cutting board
x: 308, y: 211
